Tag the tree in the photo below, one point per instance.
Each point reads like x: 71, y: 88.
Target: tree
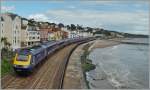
x: 53, y: 25
x: 79, y: 27
x: 3, y: 39
x: 107, y: 33
x: 73, y: 27
x: 89, y: 30
x: 68, y: 27
x: 6, y: 43
x: 60, y: 25
x: 31, y: 22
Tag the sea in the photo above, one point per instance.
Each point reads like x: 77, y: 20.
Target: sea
x: 123, y: 66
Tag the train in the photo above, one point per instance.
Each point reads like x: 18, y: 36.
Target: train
x: 26, y: 59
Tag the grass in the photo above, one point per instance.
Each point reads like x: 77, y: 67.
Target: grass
x: 6, y: 67
x: 87, y: 66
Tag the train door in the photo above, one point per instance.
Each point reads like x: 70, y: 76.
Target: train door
x: 33, y: 60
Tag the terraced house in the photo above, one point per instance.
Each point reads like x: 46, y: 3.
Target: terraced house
x: 44, y: 30
x: 30, y: 33
x: 21, y: 32
x: 11, y: 29
x: 18, y: 31
x: 51, y: 32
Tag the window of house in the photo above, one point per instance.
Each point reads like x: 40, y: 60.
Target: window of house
x: 28, y: 43
x: 16, y: 27
x: 30, y: 38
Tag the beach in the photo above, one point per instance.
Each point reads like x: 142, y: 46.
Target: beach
x: 74, y: 77
x: 119, y: 66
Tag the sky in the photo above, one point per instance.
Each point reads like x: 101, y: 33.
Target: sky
x: 124, y: 16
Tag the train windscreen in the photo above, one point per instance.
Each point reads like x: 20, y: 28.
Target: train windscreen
x: 22, y: 58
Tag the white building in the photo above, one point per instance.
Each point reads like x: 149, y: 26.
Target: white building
x: 77, y: 33
x: 11, y: 29
x: 85, y: 34
x: 100, y: 35
x: 30, y: 34
x: 1, y: 31
x: 70, y: 33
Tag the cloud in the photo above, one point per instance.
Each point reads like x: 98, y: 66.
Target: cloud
x: 113, y: 2
x: 38, y: 17
x: 133, y: 22
x: 7, y: 8
x: 112, y: 15
x: 71, y: 7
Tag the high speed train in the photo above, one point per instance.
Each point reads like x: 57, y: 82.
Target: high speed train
x: 27, y: 58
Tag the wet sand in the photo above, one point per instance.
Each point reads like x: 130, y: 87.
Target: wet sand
x: 103, y: 83
x: 103, y: 44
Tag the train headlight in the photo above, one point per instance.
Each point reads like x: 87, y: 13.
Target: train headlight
x: 15, y: 65
x: 25, y: 66
x: 21, y: 66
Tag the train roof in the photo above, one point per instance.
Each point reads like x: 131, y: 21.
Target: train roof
x: 29, y: 50
x: 48, y: 44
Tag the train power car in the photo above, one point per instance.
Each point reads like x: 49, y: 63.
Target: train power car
x: 26, y: 59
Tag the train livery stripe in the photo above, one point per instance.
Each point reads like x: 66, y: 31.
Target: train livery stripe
x: 16, y: 62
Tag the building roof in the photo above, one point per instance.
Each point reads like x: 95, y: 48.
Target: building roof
x: 13, y: 16
x: 24, y: 19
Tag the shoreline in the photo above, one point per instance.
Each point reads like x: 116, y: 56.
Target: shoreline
x: 98, y: 44
x: 74, y: 76
x: 103, y: 44
x: 103, y: 82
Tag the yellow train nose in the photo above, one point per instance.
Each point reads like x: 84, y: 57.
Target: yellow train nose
x: 22, y: 62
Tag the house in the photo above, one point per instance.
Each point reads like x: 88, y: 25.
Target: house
x: 2, y: 31
x: 100, y: 35
x: 70, y: 34
x: 120, y: 36
x: 64, y: 34
x: 44, y: 33
x: 11, y: 29
x: 30, y: 34
x: 84, y: 34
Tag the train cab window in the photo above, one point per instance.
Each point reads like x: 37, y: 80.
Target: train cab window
x: 22, y: 58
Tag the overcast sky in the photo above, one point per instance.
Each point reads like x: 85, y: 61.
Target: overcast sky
x: 126, y: 16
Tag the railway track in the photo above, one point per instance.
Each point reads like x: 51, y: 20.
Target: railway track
x: 47, y: 75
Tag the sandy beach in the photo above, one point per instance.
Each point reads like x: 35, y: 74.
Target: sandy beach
x: 103, y: 44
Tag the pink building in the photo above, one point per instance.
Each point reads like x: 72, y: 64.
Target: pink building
x: 44, y: 34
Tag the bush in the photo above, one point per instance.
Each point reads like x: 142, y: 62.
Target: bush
x: 88, y: 66
x: 6, y: 67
